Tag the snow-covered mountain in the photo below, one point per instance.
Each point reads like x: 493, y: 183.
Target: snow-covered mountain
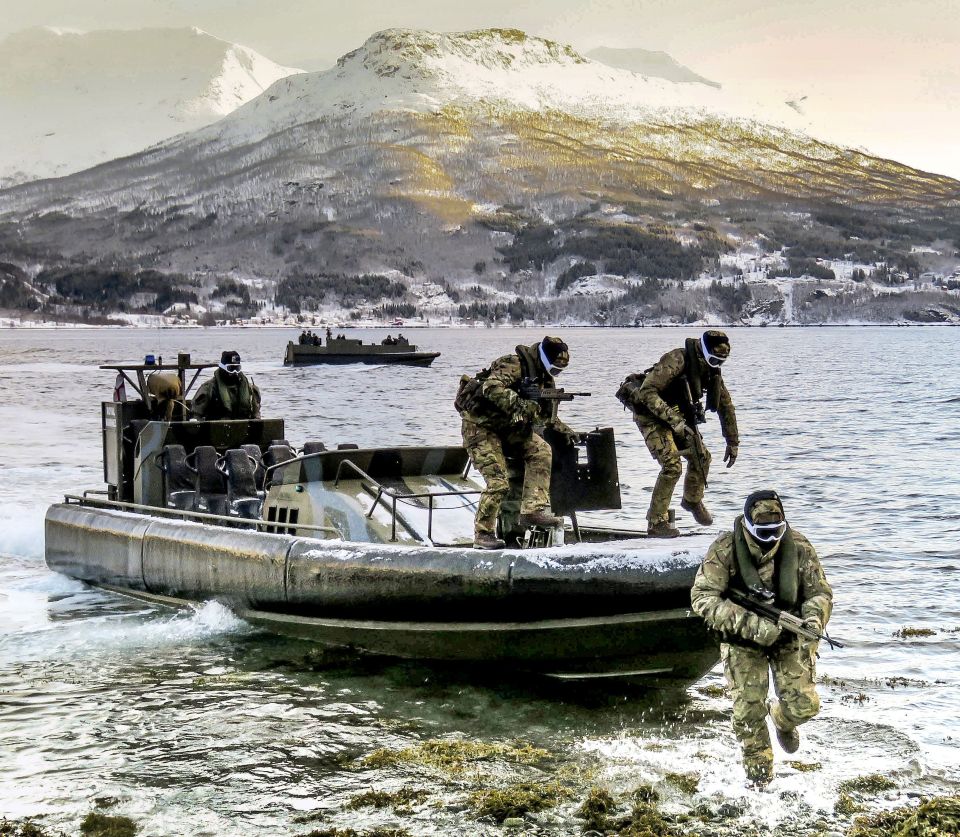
x: 424, y: 72
x: 648, y: 63
x: 428, y: 155
x: 70, y: 100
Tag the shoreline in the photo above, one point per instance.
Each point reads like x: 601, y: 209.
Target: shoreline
x: 13, y: 325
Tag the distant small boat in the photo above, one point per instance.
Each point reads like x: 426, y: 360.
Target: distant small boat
x: 347, y: 350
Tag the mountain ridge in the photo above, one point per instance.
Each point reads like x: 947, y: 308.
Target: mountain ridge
x: 76, y: 99
x: 427, y: 155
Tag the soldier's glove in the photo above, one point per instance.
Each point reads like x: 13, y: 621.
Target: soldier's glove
x: 730, y: 454
x: 568, y: 434
x: 527, y: 411
x: 761, y: 631
x: 811, y: 623
x: 687, y: 436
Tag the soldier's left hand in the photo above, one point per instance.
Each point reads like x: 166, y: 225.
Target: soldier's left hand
x: 730, y: 455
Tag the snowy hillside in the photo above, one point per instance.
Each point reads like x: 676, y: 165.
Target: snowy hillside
x: 71, y: 100
x: 424, y: 72
x: 496, y: 168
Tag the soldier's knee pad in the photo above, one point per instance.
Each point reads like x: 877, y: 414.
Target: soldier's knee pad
x: 670, y: 467
x: 800, y: 706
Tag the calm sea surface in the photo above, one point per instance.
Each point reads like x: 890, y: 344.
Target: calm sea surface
x: 193, y: 723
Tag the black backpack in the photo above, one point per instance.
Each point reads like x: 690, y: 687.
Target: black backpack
x: 629, y: 390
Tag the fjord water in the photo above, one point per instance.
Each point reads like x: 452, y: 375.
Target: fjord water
x: 195, y: 723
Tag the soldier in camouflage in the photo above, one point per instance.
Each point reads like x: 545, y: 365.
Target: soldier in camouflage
x: 666, y: 407
x: 763, y: 551
x: 501, y: 417
x: 229, y: 394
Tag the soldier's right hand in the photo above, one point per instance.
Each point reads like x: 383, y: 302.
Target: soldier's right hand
x: 762, y: 631
x: 526, y: 410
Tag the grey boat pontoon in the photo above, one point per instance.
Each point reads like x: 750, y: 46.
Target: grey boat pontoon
x: 372, y: 548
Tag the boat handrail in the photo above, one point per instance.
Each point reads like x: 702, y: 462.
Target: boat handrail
x: 203, y: 517
x: 396, y: 496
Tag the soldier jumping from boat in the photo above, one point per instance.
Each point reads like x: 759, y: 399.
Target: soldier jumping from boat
x: 665, y: 401
x: 763, y: 559
x: 229, y: 394
x: 502, y: 417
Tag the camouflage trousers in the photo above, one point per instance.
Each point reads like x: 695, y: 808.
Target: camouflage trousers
x: 663, y: 447
x: 489, y: 449
x: 747, y: 671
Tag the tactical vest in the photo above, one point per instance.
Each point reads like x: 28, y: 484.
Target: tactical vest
x: 235, y: 402
x: 675, y: 394
x: 786, y: 581
x: 470, y: 398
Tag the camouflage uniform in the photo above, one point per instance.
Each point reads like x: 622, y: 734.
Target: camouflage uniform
x: 658, y: 411
x: 226, y: 397
x: 498, y: 429
x: 747, y: 662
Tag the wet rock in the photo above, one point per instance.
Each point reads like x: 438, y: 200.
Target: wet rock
x: 26, y: 827
x: 96, y: 824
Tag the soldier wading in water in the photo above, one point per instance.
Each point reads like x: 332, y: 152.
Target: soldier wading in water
x: 666, y: 405
x: 500, y: 419
x: 229, y: 394
x: 764, y: 554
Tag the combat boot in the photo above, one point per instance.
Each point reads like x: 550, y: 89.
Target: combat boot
x: 759, y: 775
x: 662, y: 529
x: 487, y: 541
x: 787, y: 735
x: 699, y: 511
x: 540, y: 517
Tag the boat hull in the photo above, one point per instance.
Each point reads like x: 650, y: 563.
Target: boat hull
x: 576, y: 618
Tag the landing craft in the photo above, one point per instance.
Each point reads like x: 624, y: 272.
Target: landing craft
x: 371, y: 547
x: 341, y: 349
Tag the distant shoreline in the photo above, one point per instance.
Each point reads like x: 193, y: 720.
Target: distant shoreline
x: 12, y: 326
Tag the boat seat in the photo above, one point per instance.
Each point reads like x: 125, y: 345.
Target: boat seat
x: 348, y: 446
x: 254, y: 452
x: 178, y: 478
x: 208, y: 480
x: 313, y: 447
x: 243, y: 498
x: 275, y: 456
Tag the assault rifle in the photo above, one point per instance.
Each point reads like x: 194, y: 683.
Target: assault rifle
x: 695, y: 415
x: 552, y: 396
x: 760, y: 602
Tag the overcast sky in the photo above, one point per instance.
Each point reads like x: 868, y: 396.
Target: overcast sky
x: 883, y: 74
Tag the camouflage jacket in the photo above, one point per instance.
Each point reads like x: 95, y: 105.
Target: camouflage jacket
x: 662, y: 377
x: 719, y: 566
x: 501, y: 390
x: 242, y: 398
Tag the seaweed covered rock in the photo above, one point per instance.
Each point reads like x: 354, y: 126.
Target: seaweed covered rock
x: 938, y: 817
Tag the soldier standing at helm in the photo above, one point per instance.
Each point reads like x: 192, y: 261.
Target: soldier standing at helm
x: 667, y: 407
x: 500, y: 418
x: 764, y: 555
x: 229, y: 394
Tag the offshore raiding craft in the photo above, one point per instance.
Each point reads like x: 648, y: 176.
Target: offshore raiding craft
x: 340, y: 349
x: 371, y: 548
